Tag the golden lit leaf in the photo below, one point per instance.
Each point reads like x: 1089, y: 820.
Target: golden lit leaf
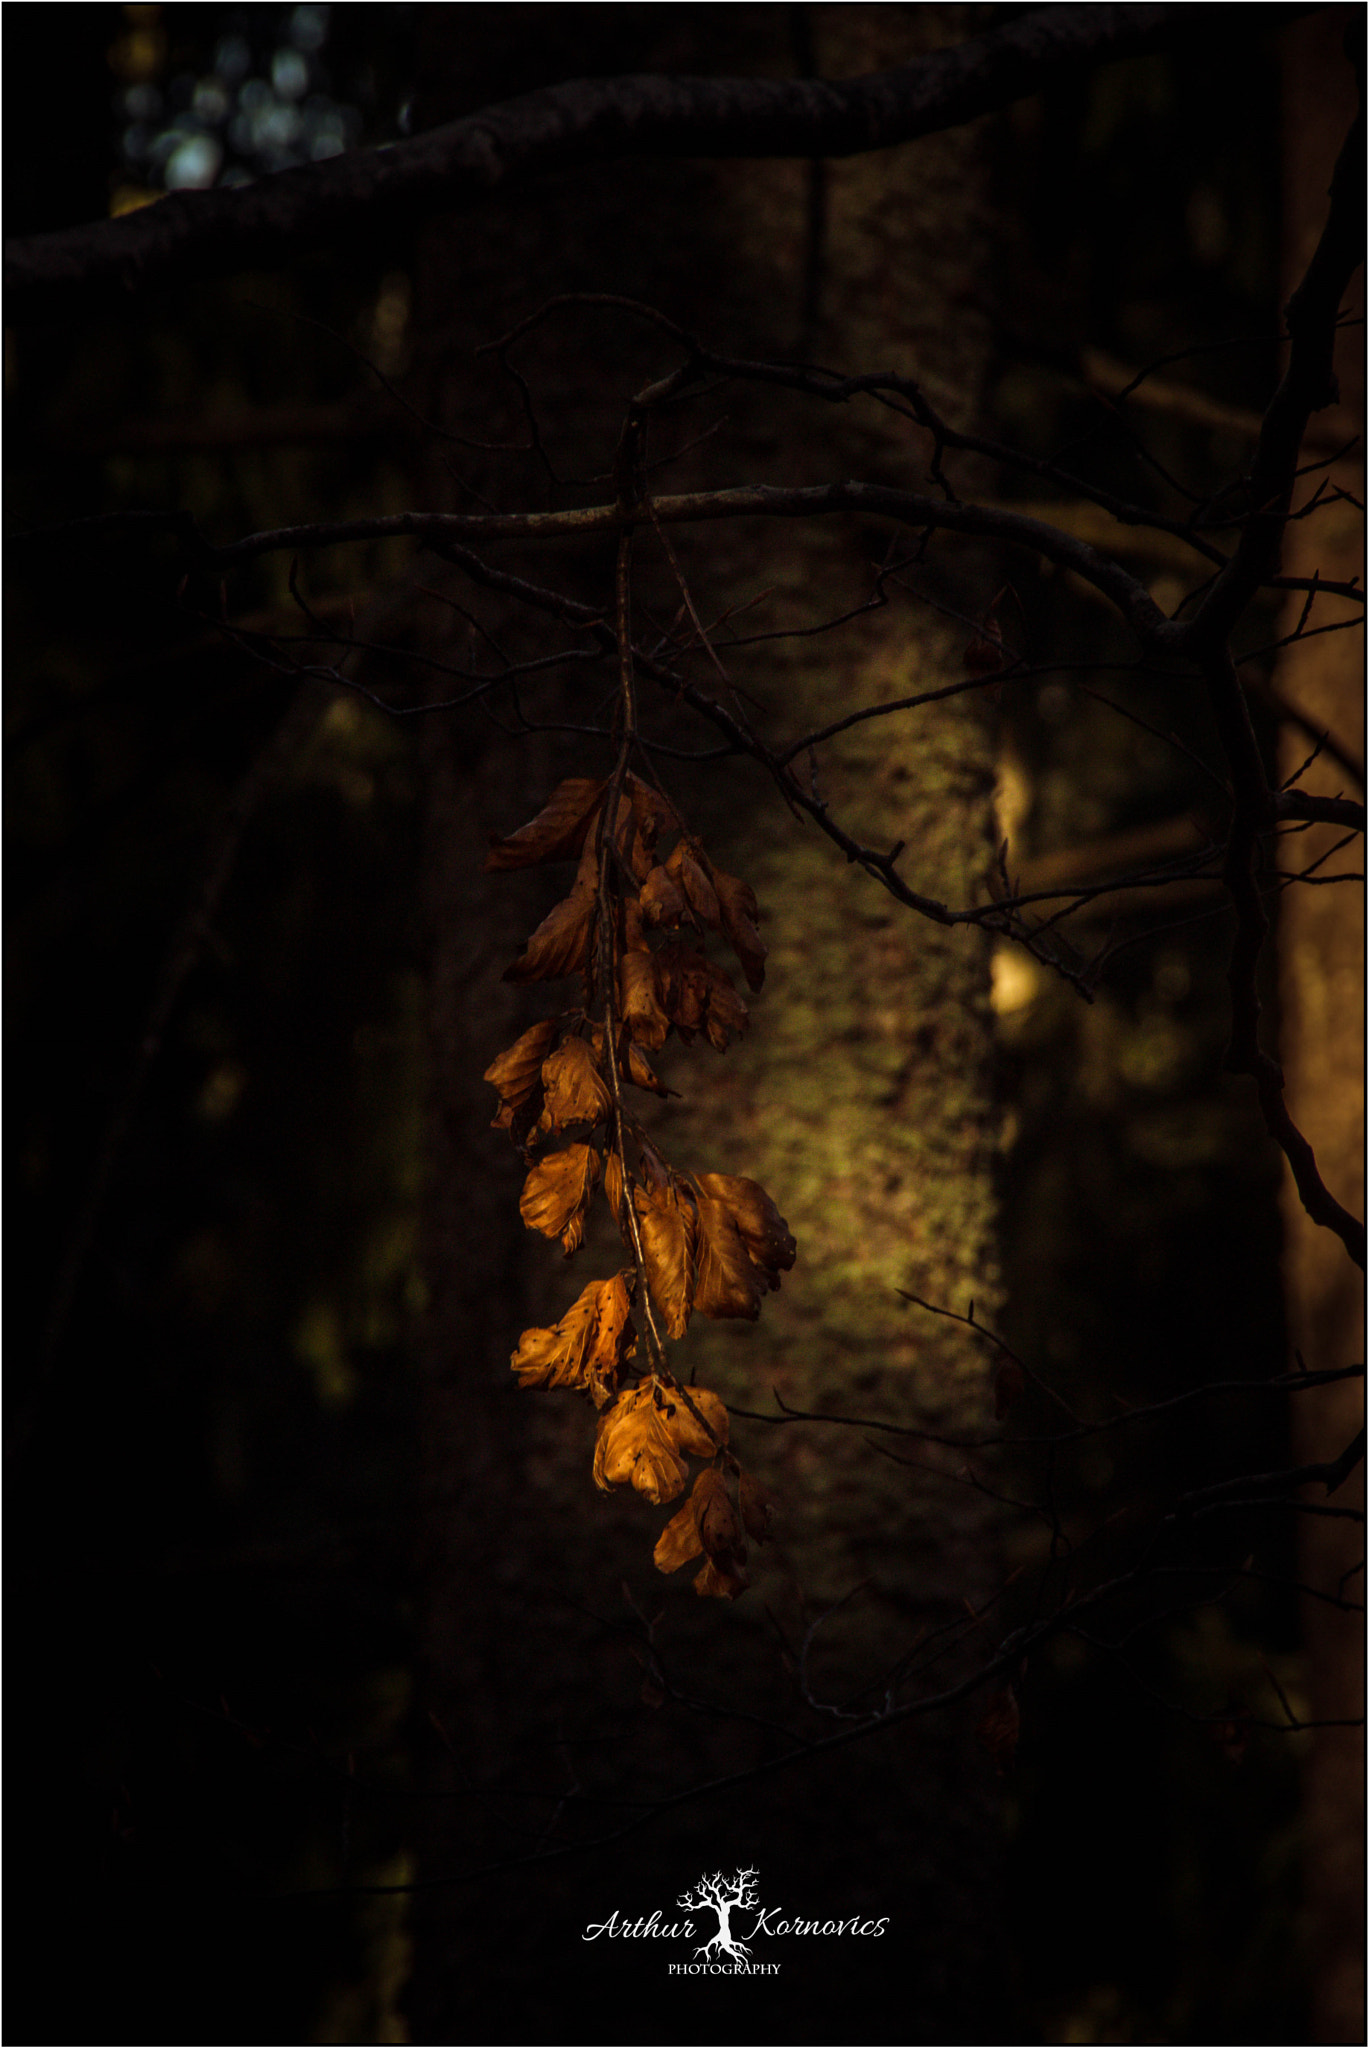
x: 560, y: 943
x: 576, y: 1091
x: 634, y: 1447
x: 516, y: 1073
x: 557, y: 1193
x: 639, y: 1071
x: 556, y: 833
x: 585, y: 1349
x: 759, y: 1223
x: 685, y: 871
x: 758, y: 1505
x: 698, y: 1423
x: 726, y: 1283
x: 640, y: 1000
x: 679, y: 1541
x: 667, y: 1232
x: 662, y: 899
x: 737, y: 905
x: 614, y: 1340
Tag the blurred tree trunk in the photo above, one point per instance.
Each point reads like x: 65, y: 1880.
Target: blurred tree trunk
x: 862, y: 1100
x: 1321, y: 963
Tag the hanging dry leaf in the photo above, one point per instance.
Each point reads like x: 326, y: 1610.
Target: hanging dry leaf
x: 639, y: 1071
x: 697, y: 1420
x: 666, y: 1227
x: 697, y: 995
x: 759, y: 1223
x: 652, y: 813
x: 727, y: 1013
x: 560, y: 943
x: 720, y: 1532
x: 726, y: 1283
x: 662, y: 899
x: 556, y: 833
x: 576, y: 1091
x: 586, y: 1348
x: 557, y: 1193
x: 683, y: 979
x: 640, y: 1000
x: 634, y: 1447
x: 686, y: 871
x: 737, y: 906
x: 679, y: 1541
x: 516, y: 1073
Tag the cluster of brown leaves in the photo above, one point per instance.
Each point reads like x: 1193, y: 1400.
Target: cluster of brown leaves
x: 711, y: 1242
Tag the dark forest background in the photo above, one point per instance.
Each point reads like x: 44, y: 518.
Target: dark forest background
x: 217, y: 1060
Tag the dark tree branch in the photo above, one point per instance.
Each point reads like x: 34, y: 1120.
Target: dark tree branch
x: 1308, y: 385
x: 187, y: 236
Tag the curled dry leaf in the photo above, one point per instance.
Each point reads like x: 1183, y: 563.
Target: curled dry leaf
x: 556, y: 833
x: 767, y: 1237
x: 638, y: 1069
x: 576, y: 1091
x: 634, y: 1447
x: 517, y: 1076
x: 586, y: 1348
x: 639, y: 996
x: 515, y: 1073
x: 697, y: 1420
x: 698, y: 996
x: 662, y: 899
x: 560, y: 944
x: 558, y: 1192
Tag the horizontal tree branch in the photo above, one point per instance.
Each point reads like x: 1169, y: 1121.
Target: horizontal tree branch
x: 1157, y: 634
x: 187, y: 236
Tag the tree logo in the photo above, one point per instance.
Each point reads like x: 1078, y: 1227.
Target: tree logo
x: 721, y: 1895
x: 725, y: 1953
